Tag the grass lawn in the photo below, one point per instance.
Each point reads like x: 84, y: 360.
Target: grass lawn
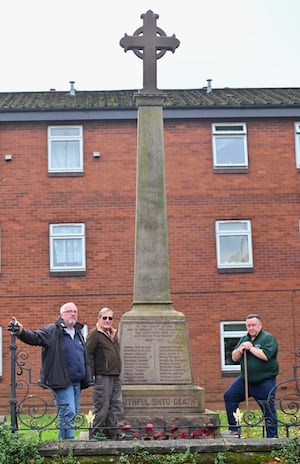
x: 257, y: 432
x: 50, y: 431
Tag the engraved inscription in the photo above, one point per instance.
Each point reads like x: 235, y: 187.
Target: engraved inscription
x: 155, y: 353
x: 161, y: 402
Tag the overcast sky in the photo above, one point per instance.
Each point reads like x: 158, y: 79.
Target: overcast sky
x: 236, y: 43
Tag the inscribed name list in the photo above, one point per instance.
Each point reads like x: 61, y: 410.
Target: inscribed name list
x: 156, y: 353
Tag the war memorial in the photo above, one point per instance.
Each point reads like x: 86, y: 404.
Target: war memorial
x: 157, y: 377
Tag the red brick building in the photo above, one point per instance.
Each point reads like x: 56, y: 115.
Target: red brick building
x: 67, y: 221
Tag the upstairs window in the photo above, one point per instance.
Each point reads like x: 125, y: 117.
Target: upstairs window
x: 230, y: 333
x: 297, y: 144
x: 67, y: 248
x: 65, y: 149
x: 234, y: 245
x: 230, y: 147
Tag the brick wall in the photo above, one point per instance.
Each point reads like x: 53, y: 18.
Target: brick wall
x: 104, y: 199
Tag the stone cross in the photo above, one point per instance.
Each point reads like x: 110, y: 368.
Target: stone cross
x: 157, y: 374
x: 149, y: 43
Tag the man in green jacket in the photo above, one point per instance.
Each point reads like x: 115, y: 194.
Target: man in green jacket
x: 104, y: 350
x: 262, y: 369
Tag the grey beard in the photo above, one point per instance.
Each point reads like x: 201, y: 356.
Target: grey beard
x: 71, y: 324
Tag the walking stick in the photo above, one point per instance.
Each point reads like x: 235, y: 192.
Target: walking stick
x: 246, y: 388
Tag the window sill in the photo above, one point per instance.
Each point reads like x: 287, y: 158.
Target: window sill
x: 230, y: 373
x: 231, y: 170
x: 67, y: 273
x: 65, y: 174
x: 235, y: 270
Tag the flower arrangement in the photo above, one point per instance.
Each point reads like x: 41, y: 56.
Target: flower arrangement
x: 150, y: 432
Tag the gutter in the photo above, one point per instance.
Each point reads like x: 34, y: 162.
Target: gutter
x: 169, y: 113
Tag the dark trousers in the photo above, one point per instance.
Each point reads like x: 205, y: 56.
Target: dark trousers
x: 263, y: 393
x: 108, y: 404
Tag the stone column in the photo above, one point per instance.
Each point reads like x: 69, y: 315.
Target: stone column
x: 157, y: 375
x: 151, y: 276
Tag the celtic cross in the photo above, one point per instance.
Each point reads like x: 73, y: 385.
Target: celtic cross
x: 149, y: 43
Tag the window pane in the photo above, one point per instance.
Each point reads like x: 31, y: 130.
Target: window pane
x: 67, y: 230
x: 230, y: 333
x: 232, y: 226
x: 229, y: 344
x: 67, y: 247
x: 65, y: 149
x: 65, y: 131
x: 65, y: 154
x: 67, y: 252
x: 234, y: 327
x: 230, y: 128
x: 234, y: 249
x: 229, y: 150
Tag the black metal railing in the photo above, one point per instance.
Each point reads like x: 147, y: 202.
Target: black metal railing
x: 33, y: 407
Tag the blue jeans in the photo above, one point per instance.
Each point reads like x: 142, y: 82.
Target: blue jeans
x: 263, y: 393
x: 67, y: 403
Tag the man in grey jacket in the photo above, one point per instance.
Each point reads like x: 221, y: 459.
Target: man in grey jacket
x: 65, y: 363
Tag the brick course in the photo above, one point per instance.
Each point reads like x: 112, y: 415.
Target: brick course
x: 104, y: 199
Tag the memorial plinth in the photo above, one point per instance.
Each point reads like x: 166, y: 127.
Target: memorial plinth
x: 157, y: 381
x: 157, y: 375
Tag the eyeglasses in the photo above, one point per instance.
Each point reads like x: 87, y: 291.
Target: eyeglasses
x: 107, y: 317
x: 69, y: 311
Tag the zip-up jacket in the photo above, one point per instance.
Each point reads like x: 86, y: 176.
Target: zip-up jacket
x: 54, y: 371
x: 104, y: 353
x: 259, y: 370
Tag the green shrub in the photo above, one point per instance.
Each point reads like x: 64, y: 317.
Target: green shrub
x: 220, y: 458
x: 289, y: 453
x: 70, y: 459
x: 16, y: 449
x: 143, y: 456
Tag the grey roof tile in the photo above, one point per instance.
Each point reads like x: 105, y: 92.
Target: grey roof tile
x: 124, y: 99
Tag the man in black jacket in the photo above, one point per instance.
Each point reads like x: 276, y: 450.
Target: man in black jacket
x: 65, y: 363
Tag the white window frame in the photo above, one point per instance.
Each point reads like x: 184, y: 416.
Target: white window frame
x: 55, y: 235
x: 227, y: 365
x: 233, y: 132
x: 297, y: 143
x: 52, y: 138
x: 239, y: 228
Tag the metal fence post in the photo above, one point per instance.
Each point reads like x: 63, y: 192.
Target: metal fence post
x: 13, y: 329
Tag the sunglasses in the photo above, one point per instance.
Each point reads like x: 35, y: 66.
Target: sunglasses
x: 107, y: 317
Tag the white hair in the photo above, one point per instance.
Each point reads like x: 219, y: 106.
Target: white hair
x: 66, y: 305
x: 105, y: 310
